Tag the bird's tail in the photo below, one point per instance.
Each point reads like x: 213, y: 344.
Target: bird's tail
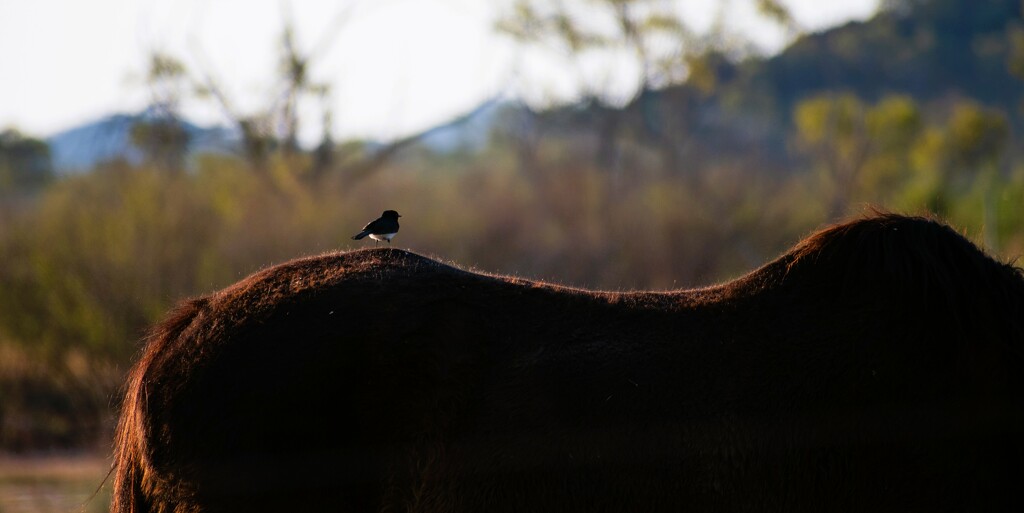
x: 360, y: 235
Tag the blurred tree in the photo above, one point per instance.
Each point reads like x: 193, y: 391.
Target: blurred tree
x: 929, y: 164
x: 961, y: 157
x: 976, y: 137
x: 976, y: 142
x: 833, y: 129
x: 294, y: 69
x: 649, y: 36
x: 1015, y: 55
x: 863, y: 150
x: 652, y: 36
x: 270, y: 134
x: 647, y: 45
x: 24, y: 162
x: 894, y: 125
x: 255, y: 128
x: 160, y: 134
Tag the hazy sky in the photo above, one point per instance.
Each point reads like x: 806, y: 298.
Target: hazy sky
x: 397, y: 66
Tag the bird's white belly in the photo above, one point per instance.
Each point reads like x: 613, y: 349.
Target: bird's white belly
x: 382, y: 236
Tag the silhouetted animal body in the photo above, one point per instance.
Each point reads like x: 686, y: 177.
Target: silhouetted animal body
x: 877, y: 366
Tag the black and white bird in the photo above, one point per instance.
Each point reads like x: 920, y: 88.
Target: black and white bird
x: 383, y: 228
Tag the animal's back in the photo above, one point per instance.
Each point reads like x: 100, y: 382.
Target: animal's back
x: 867, y: 369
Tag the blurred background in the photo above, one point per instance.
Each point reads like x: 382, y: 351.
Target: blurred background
x: 153, y: 150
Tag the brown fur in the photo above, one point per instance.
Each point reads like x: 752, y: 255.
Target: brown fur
x: 874, y: 367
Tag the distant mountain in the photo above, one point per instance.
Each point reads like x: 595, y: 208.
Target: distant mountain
x: 81, y: 148
x: 926, y: 49
x: 471, y: 131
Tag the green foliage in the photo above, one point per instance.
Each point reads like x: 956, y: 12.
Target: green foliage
x: 888, y: 154
x: 101, y: 256
x: 976, y: 137
x: 895, y: 124
x: 833, y: 123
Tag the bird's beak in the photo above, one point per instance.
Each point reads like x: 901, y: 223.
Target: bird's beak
x: 399, y: 215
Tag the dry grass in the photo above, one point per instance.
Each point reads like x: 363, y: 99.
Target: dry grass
x: 54, y: 483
